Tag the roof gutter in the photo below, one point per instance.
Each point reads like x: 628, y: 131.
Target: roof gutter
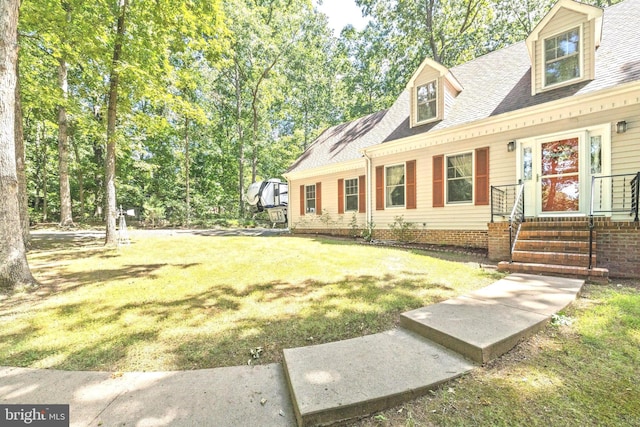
x: 323, y: 170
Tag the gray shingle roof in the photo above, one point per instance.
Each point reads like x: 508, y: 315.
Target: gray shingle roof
x: 343, y: 142
x: 496, y: 83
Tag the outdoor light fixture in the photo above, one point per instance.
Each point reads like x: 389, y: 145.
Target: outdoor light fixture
x: 621, y: 126
x: 511, y: 146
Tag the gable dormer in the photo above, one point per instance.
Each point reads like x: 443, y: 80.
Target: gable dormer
x: 562, y: 46
x: 430, y: 87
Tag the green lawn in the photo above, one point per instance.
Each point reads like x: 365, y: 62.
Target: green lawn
x: 188, y: 302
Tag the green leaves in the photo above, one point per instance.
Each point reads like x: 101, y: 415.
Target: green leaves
x: 228, y: 92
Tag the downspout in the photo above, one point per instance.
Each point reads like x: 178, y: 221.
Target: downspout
x: 288, y: 202
x: 369, y: 211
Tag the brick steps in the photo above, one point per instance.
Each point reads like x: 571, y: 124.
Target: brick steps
x: 554, y: 258
x: 557, y: 247
x: 567, y: 246
x: 597, y: 275
x: 558, y: 225
x: 572, y: 235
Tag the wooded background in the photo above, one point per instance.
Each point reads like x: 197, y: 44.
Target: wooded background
x: 173, y: 107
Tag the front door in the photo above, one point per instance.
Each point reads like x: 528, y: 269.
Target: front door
x: 556, y: 170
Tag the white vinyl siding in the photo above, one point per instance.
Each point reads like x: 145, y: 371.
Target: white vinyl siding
x: 625, y: 155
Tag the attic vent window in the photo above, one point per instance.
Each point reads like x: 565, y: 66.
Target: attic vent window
x: 427, y: 96
x: 562, y: 57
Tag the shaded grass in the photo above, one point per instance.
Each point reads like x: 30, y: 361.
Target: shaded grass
x: 583, y: 374
x: 188, y: 302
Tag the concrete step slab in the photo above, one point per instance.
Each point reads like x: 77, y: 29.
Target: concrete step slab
x: 86, y: 393
x: 478, y: 329
x: 346, y: 379
x: 233, y: 396
x: 545, y: 295
x: 487, y: 323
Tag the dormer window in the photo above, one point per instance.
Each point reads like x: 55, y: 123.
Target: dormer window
x: 427, y: 99
x: 433, y: 90
x: 562, y: 47
x: 562, y: 57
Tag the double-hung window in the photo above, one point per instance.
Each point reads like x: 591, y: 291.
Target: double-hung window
x: 460, y: 178
x: 351, y: 194
x: 562, y: 57
x: 427, y: 101
x: 394, y: 185
x: 310, y: 199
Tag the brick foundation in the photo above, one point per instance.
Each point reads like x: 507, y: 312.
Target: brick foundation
x: 459, y: 238
x: 618, y: 242
x: 619, y: 247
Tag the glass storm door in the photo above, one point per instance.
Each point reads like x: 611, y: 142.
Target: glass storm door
x: 560, y: 176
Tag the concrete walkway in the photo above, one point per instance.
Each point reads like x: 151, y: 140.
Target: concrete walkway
x: 319, y: 384
x: 236, y: 396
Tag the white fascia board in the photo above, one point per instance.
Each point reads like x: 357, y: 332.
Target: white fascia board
x: 327, y: 169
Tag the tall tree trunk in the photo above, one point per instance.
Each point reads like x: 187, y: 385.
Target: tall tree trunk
x: 431, y: 36
x: 254, y: 157
x: 255, y: 93
x: 240, y: 139
x: 14, y: 270
x: 98, y: 158
x: 36, y: 202
x: 80, y: 175
x: 110, y: 159
x: 66, y: 218
x: 20, y: 167
x: 187, y: 162
x: 44, y: 174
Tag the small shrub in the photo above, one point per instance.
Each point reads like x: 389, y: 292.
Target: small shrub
x: 354, y: 228
x: 401, y: 229
x: 325, y: 218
